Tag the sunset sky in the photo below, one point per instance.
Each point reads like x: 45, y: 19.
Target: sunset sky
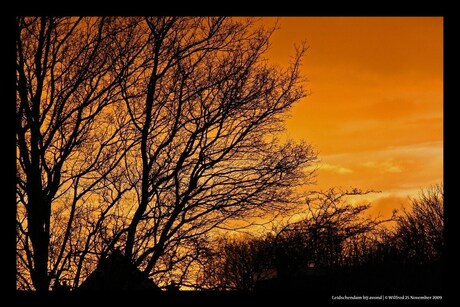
x: 375, y: 109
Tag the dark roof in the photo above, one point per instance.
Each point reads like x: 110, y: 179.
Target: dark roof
x: 117, y: 273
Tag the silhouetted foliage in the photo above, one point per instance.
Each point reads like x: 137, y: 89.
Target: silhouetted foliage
x: 326, y: 237
x: 416, y: 236
x: 237, y: 264
x: 419, y: 233
x: 336, y: 240
x: 147, y: 134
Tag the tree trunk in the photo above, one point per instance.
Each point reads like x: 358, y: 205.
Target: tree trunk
x: 38, y: 220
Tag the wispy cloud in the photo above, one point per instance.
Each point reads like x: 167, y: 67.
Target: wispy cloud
x: 336, y: 168
x: 424, y: 149
x: 387, y: 166
x: 399, y: 169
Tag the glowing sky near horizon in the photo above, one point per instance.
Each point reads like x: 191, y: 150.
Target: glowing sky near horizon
x: 375, y: 109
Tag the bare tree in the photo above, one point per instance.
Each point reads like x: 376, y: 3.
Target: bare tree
x: 145, y: 134
x: 328, y: 236
x: 419, y: 233
x: 333, y: 233
x: 238, y: 264
x: 205, y: 111
x: 68, y: 137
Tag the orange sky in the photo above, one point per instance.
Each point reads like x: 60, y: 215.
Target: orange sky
x: 375, y: 113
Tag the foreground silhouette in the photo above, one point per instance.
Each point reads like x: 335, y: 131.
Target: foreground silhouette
x: 145, y: 134
x: 117, y: 273
x: 338, y: 248
x: 424, y: 279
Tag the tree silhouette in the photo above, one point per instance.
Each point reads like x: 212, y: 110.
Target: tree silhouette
x: 237, y: 264
x: 416, y: 238
x: 68, y: 138
x: 419, y: 233
x: 145, y: 134
x: 205, y: 112
x: 327, y: 236
x: 336, y: 234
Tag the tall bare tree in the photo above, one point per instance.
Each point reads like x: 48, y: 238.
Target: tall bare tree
x: 68, y: 133
x: 206, y: 111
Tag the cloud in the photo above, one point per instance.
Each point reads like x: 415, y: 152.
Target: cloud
x: 393, y: 169
x: 417, y: 150
x: 336, y: 168
x: 387, y: 166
